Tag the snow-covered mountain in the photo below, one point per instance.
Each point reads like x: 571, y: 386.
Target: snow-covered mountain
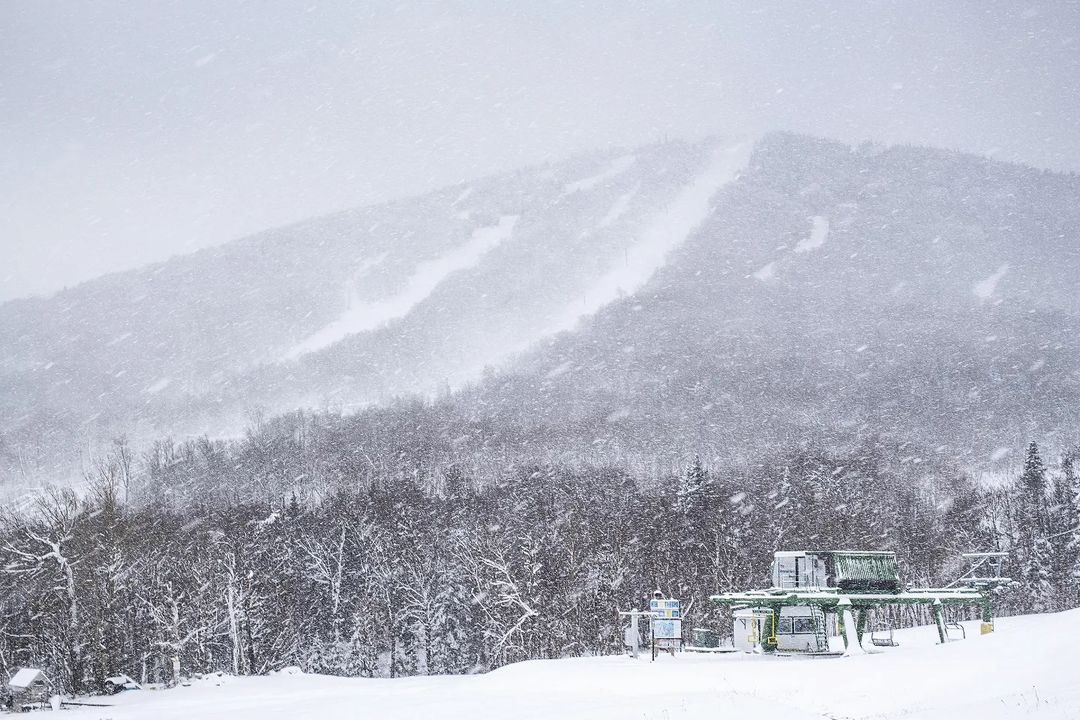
x: 834, y: 294
x: 710, y: 296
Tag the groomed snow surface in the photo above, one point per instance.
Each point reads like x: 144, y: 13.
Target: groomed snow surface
x: 428, y: 275
x: 616, y: 168
x: 1026, y: 669
x: 664, y: 233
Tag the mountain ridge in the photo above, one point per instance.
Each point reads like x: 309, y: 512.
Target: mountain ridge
x: 807, y: 251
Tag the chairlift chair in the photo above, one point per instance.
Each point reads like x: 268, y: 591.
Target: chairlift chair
x: 956, y: 626
x: 877, y: 634
x: 877, y: 637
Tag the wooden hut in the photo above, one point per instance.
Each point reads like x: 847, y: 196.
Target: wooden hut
x: 28, y: 687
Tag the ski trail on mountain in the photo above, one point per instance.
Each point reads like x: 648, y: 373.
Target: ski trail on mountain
x: 819, y: 233
x: 618, y: 208
x: 617, y: 167
x: 428, y: 275
x: 665, y: 232
x: 984, y: 290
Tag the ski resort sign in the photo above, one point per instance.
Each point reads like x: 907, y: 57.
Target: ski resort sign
x: 666, y: 629
x: 665, y: 609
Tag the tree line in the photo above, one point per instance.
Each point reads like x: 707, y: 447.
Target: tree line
x: 271, y: 551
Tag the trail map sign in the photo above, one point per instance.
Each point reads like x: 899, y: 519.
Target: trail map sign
x: 666, y: 624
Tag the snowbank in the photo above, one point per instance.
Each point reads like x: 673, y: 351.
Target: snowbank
x: 1022, y: 670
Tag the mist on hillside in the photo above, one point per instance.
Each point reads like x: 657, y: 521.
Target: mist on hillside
x: 132, y: 132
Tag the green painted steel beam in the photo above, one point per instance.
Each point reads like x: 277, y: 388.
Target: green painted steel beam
x: 829, y: 600
x: 939, y: 620
x: 860, y: 623
x: 840, y: 610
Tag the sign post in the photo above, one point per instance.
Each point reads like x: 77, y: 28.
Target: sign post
x: 666, y: 625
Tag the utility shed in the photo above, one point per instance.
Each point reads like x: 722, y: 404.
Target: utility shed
x: 29, y: 686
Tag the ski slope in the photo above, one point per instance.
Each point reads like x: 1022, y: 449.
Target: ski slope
x: 1026, y: 669
x: 428, y: 275
x: 660, y: 237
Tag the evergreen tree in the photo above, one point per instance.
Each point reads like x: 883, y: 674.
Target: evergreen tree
x: 1033, y: 485
x: 1066, y: 532
x: 1038, y: 576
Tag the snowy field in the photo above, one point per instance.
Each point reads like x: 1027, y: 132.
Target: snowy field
x: 1028, y: 668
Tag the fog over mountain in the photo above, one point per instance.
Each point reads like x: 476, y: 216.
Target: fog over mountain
x: 723, y: 298
x: 131, y: 131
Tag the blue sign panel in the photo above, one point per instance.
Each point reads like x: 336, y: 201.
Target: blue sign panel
x: 667, y: 609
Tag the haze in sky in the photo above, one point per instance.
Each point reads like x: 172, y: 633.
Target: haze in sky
x: 131, y: 131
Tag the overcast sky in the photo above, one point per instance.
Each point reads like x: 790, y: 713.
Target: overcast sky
x: 132, y: 131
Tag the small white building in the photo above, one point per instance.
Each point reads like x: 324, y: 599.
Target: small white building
x: 29, y: 686
x: 748, y: 628
x: 798, y: 628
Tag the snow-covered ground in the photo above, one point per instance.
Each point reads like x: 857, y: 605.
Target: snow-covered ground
x: 1026, y: 669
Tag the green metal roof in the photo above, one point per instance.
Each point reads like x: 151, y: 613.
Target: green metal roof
x: 866, y: 566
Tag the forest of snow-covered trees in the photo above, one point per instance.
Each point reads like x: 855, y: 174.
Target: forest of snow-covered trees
x: 251, y: 555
